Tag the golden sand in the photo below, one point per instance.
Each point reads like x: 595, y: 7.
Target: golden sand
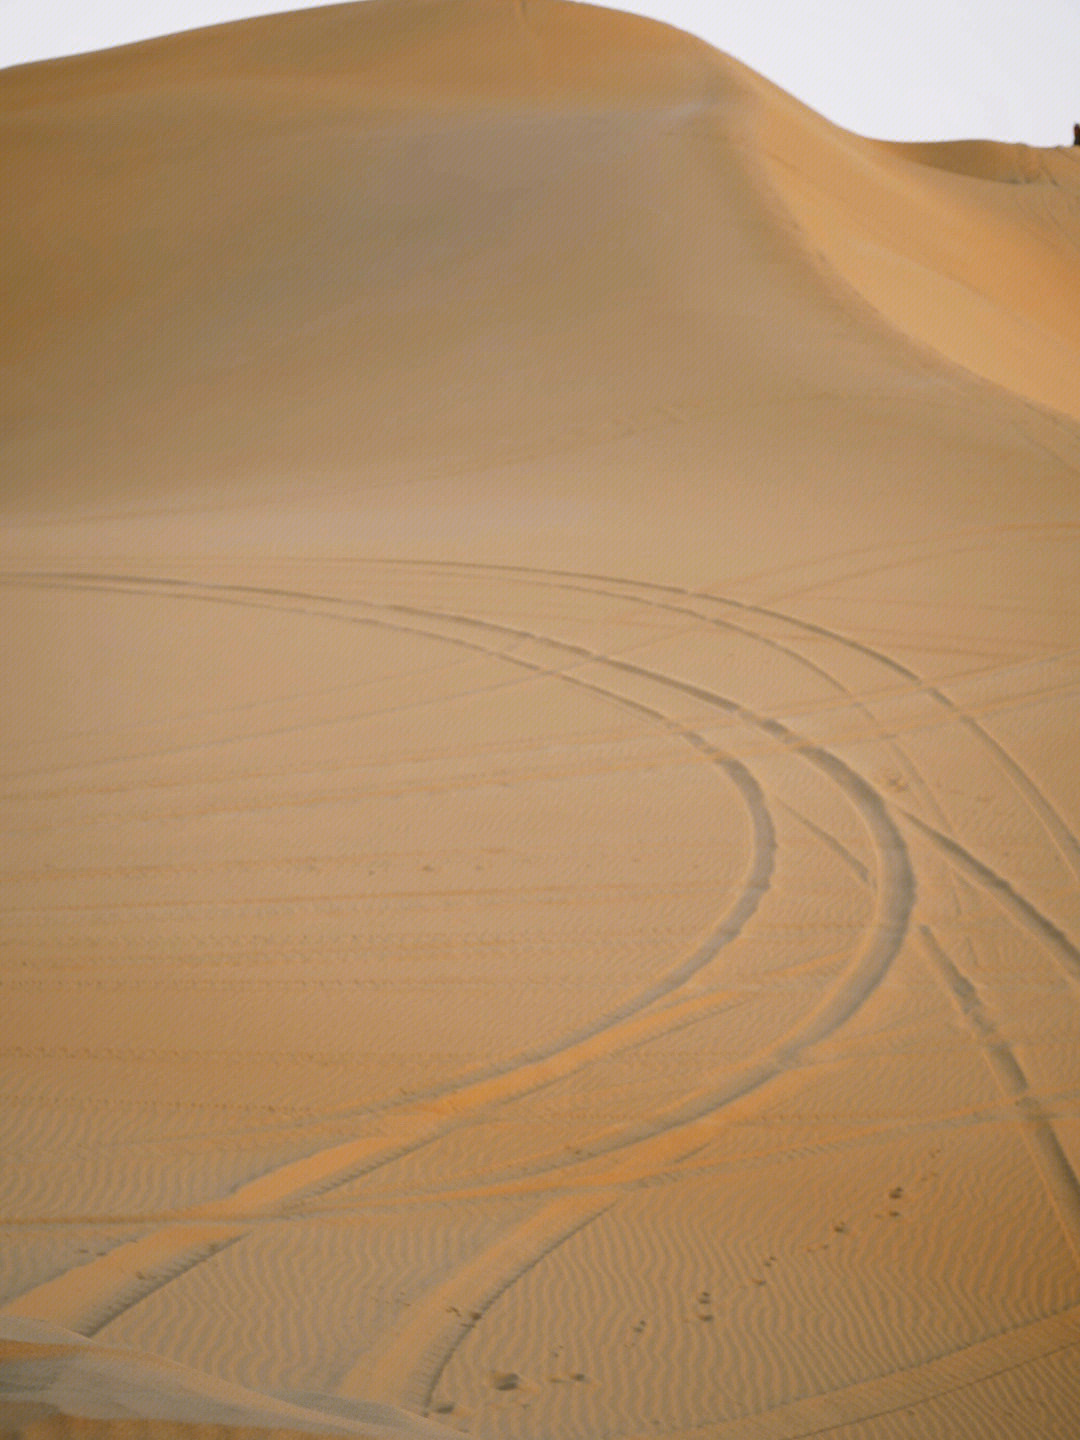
x: 540, y: 788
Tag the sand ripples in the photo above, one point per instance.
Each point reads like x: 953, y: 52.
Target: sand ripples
x: 774, y: 979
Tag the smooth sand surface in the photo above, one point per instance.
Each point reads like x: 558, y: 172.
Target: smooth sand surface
x: 541, y: 653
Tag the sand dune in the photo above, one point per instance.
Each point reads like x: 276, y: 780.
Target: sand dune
x: 541, y: 817
x: 968, y: 248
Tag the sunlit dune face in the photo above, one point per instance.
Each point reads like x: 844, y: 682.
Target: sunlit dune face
x: 540, y: 852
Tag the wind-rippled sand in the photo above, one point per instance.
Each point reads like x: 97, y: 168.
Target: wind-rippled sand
x: 541, y: 805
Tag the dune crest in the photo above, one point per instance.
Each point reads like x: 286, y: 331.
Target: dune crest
x: 970, y: 248
x: 541, y: 856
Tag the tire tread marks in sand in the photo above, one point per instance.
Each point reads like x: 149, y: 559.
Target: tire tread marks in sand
x: 896, y: 879
x: 108, y: 1286
x: 405, y: 1370
x: 1015, y: 905
x: 337, y: 1165
x: 893, y: 916
x: 1048, y: 1157
x: 682, y: 601
x: 325, y: 1169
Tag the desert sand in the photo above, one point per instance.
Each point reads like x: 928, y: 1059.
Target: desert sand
x: 541, y: 801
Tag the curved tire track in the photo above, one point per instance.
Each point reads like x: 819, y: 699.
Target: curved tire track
x: 82, y: 1296
x: 1048, y: 1157
x: 895, y: 890
x: 1064, y: 838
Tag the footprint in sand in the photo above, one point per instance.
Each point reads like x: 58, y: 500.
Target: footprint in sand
x: 504, y: 1380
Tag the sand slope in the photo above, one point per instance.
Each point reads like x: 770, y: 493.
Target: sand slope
x: 541, y: 818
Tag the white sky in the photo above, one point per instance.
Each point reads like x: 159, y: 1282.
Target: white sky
x: 905, y: 70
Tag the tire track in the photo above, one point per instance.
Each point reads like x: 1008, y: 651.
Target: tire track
x: 1008, y: 899
x: 1048, y: 1157
x: 337, y: 1165
x: 866, y: 800
x: 406, y: 1369
x: 1007, y: 896
x: 106, y: 1287
x: 421, y: 1120
x: 1063, y: 837
x: 1059, y: 833
x: 586, y: 583
x: 896, y: 880
x: 1051, y: 1163
x: 1050, y: 1160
